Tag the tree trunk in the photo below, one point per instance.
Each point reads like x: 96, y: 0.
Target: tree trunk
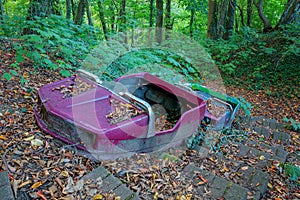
x: 249, y: 12
x: 151, y: 13
x: 102, y: 18
x: 1, y: 10
x: 68, y: 9
x: 236, y: 25
x: 122, y: 16
x: 192, y: 20
x: 122, y: 27
x: 259, y: 6
x: 168, y: 20
x: 223, y: 13
x: 80, y: 12
x: 168, y: 15
x: 242, y: 15
x: 159, y: 20
x: 73, y: 9
x: 40, y: 8
x: 113, y: 16
x: 230, y: 19
x: 88, y: 13
x: 291, y: 13
x: 212, y: 20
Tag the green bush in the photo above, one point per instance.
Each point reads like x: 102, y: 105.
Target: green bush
x: 260, y: 61
x: 55, y: 43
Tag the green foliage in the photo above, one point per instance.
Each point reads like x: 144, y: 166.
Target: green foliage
x: 196, y: 139
x: 7, y: 76
x: 292, y: 171
x: 55, y: 43
x: 245, y: 106
x: 292, y: 124
x: 145, y: 58
x: 260, y: 61
x: 215, y: 140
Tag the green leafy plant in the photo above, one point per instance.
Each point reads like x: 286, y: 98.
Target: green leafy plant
x: 292, y: 171
x: 292, y: 124
x: 55, y: 43
x: 245, y: 106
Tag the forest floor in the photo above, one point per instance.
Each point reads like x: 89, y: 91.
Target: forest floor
x: 43, y: 170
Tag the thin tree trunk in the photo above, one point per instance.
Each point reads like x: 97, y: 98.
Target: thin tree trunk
x: 73, y: 9
x: 192, y: 20
x: 230, y: 19
x: 80, y: 12
x: 212, y: 20
x: 168, y: 15
x: 236, y: 25
x: 151, y: 13
x: 123, y: 16
x: 159, y: 20
x: 291, y: 13
x: 39, y: 8
x: 102, y: 18
x: 249, y: 12
x: 1, y: 10
x: 123, y: 20
x: 242, y: 15
x: 88, y: 13
x: 223, y: 13
x: 259, y: 6
x: 68, y: 9
x: 113, y: 16
x: 168, y: 19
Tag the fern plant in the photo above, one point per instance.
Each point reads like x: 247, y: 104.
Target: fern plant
x: 55, y: 44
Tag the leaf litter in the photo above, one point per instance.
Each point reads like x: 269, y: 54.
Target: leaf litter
x: 40, y: 166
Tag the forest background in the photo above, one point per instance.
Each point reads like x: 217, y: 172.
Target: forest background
x: 254, y: 43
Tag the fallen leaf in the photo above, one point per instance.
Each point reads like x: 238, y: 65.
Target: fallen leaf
x: 244, y: 168
x: 40, y: 194
x: 29, y: 138
x: 261, y: 158
x: 202, y: 179
x: 190, y: 188
x: 65, y: 173
x: 189, y: 196
x: 36, y: 142
x: 225, y: 169
x: 98, y: 197
x: 201, y: 183
x: 36, y: 185
x: 3, y: 137
x: 153, y: 176
x: 270, y: 185
x: 24, y: 183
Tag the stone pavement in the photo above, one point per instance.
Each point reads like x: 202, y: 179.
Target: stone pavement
x: 6, y: 192
x: 248, y: 159
x: 111, y: 184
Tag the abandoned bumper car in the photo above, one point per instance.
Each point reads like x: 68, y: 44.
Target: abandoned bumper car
x: 135, y: 114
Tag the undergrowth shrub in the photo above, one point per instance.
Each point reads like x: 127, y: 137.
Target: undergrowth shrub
x: 55, y: 43
x: 152, y: 60
x: 260, y: 61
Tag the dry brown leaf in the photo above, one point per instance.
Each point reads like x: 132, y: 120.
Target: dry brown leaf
x: 24, y: 183
x: 3, y: 137
x: 36, y: 185
x: 190, y: 188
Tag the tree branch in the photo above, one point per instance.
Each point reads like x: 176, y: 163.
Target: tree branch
x: 259, y: 6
